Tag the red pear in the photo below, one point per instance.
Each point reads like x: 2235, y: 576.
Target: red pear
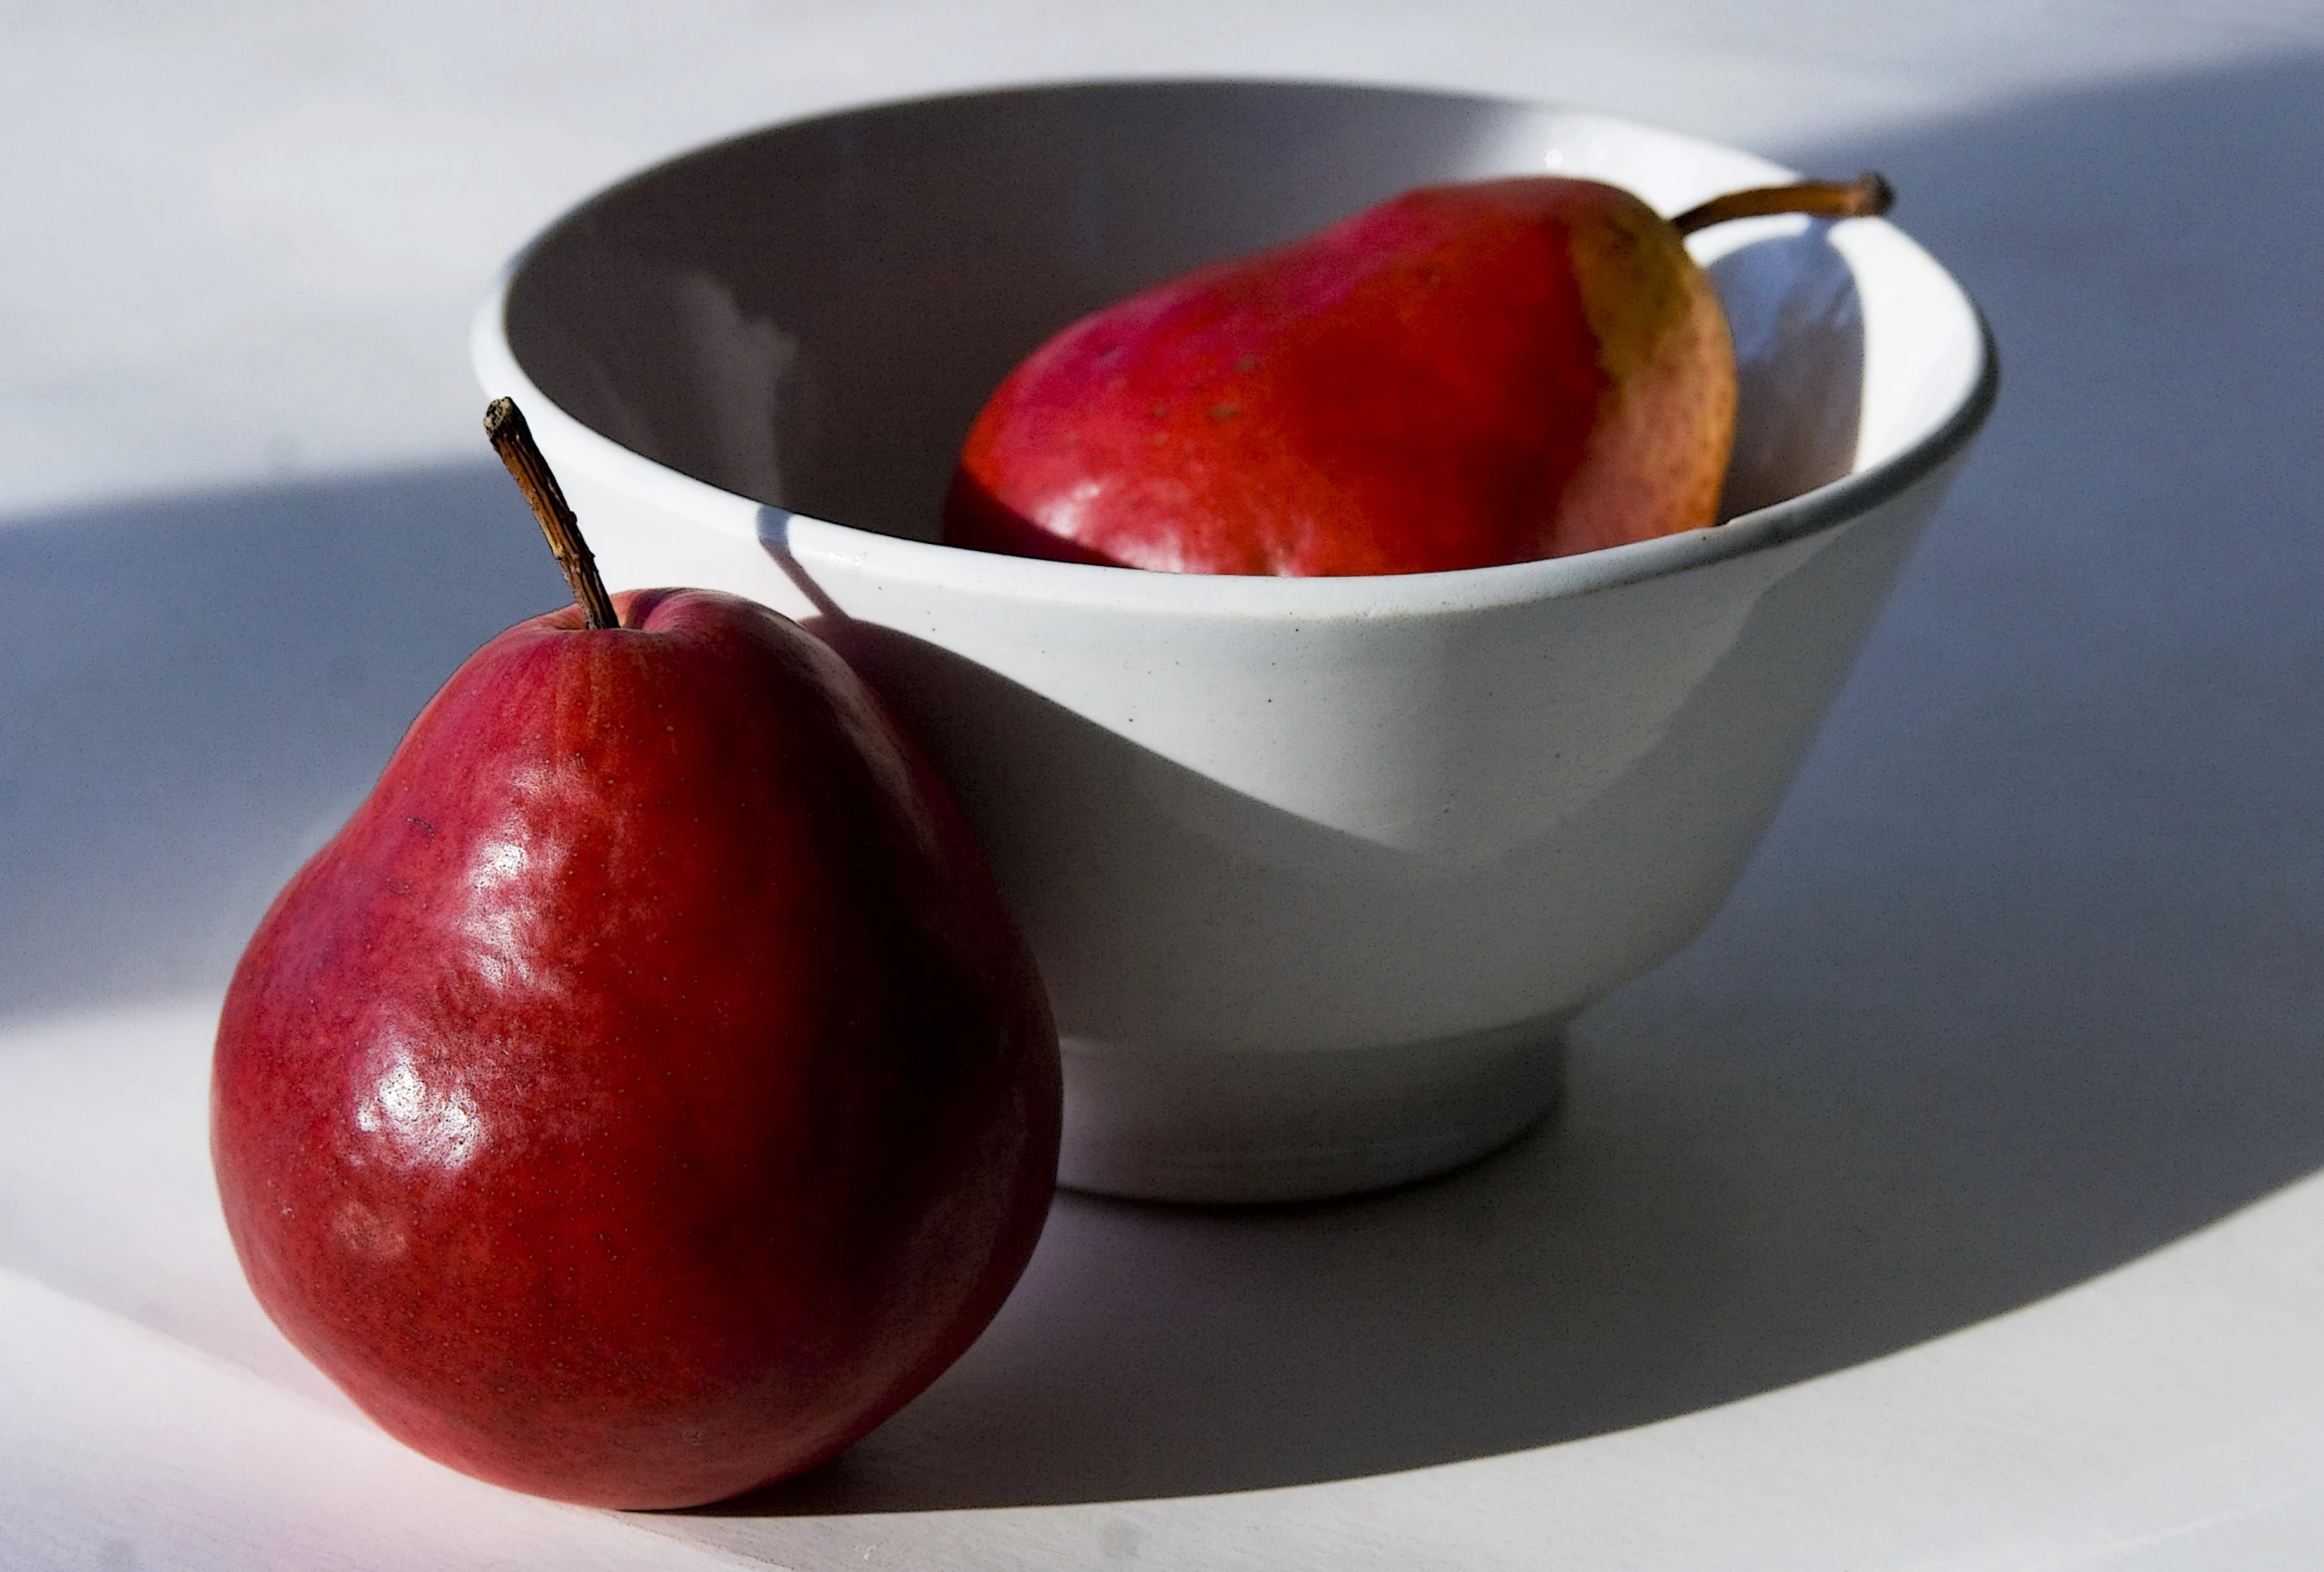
x: 645, y: 1093
x: 1460, y: 377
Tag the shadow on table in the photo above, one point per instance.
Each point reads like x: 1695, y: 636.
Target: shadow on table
x: 195, y: 691
x: 2023, y: 985
x: 2028, y: 981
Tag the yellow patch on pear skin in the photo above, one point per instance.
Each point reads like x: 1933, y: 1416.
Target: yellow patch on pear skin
x: 1669, y: 407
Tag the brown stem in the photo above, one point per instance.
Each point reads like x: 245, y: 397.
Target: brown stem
x: 512, y: 439
x: 1866, y: 196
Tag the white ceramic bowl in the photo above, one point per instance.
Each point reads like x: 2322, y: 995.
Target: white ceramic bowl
x: 1316, y: 868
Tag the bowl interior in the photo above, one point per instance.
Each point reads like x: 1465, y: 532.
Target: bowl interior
x: 810, y: 315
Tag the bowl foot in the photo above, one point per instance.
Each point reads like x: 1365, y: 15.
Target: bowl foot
x: 1191, y: 1124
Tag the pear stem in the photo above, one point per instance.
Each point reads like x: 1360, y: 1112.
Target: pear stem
x: 1866, y: 196
x: 512, y: 439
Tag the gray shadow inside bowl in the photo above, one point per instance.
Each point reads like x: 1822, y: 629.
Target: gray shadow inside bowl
x: 822, y: 341
x: 1798, y: 329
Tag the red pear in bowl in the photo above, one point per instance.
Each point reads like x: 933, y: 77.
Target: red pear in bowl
x: 645, y: 1093
x: 1460, y: 377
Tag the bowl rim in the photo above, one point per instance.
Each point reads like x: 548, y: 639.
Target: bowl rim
x: 586, y: 451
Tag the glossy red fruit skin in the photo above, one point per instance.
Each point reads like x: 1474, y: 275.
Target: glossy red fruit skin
x: 1461, y: 377
x: 646, y: 1093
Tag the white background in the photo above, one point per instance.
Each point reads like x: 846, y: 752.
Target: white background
x: 1949, y: 1204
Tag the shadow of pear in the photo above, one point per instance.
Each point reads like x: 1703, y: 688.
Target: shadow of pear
x: 1798, y: 328
x: 1536, y: 1296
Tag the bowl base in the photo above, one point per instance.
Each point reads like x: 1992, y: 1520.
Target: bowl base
x: 1191, y: 1124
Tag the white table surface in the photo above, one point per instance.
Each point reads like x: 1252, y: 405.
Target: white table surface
x: 1950, y: 1204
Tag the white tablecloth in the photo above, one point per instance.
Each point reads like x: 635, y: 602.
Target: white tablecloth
x: 1950, y: 1203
